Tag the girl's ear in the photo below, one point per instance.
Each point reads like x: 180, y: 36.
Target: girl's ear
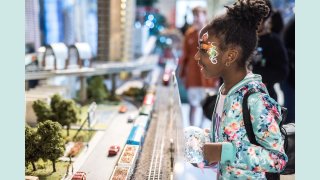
x: 232, y: 55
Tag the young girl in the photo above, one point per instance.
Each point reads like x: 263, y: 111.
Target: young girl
x: 225, y: 47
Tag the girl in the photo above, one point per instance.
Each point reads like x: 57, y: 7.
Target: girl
x: 225, y: 47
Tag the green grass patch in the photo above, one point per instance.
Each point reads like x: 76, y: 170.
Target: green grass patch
x: 44, y: 170
x: 112, y: 103
x: 83, y: 114
x: 100, y: 126
x: 83, y: 135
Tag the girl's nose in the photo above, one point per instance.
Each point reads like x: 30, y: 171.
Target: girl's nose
x: 197, y: 56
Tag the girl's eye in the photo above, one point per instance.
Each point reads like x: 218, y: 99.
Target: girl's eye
x: 202, y: 50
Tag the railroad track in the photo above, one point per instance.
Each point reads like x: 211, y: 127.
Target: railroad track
x: 153, y: 163
x: 157, y: 155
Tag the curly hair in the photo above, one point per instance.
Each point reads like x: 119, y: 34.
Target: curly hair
x: 239, y: 26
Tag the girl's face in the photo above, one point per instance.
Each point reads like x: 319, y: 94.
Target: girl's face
x: 210, y: 57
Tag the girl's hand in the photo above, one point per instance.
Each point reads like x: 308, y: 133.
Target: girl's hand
x: 207, y: 130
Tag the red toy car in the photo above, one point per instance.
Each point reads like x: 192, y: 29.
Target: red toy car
x: 123, y: 109
x: 113, y: 150
x: 79, y: 176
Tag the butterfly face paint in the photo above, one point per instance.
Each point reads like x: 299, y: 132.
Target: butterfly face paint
x: 209, y: 48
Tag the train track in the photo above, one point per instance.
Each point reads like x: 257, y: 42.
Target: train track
x: 156, y: 170
x: 154, y: 162
x: 160, y: 149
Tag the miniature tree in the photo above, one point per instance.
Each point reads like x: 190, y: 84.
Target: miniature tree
x: 55, y: 100
x: 51, y: 141
x: 31, y: 147
x: 42, y: 111
x: 66, y: 113
x: 97, y: 91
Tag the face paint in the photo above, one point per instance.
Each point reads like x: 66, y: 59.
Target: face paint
x: 204, y: 37
x: 211, y: 49
x: 213, y: 53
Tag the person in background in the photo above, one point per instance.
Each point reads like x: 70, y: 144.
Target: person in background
x: 34, y: 65
x: 287, y: 36
x: 185, y: 26
x: 225, y: 47
x: 277, y: 23
x: 270, y: 58
x: 195, y: 83
x: 289, y: 84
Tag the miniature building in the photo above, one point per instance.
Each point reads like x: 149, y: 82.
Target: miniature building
x: 115, y: 37
x: 80, y: 55
x: 55, y: 56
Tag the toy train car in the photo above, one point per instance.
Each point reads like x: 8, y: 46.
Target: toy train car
x: 123, y: 173
x: 136, y: 136
x: 126, y: 163
x: 149, y: 99
x: 143, y: 121
x: 146, y: 110
x: 166, y: 78
x: 129, y: 156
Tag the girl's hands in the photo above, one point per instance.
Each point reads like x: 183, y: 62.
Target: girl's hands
x: 207, y: 130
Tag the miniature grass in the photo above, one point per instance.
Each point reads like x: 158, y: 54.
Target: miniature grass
x: 44, y: 170
x: 83, y: 136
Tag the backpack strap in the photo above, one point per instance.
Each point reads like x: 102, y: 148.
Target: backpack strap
x: 283, y: 131
x: 249, y: 129
x: 246, y: 117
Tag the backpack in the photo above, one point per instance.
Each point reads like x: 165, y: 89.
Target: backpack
x: 287, y: 131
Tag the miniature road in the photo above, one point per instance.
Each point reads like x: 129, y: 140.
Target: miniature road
x: 95, y: 162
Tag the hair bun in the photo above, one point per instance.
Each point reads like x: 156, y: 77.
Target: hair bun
x: 250, y: 12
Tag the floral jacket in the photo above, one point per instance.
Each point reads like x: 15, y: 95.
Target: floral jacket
x: 249, y: 161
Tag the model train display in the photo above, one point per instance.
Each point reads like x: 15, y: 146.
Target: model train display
x: 131, y: 151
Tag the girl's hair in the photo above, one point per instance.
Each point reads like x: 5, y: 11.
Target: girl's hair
x: 238, y: 27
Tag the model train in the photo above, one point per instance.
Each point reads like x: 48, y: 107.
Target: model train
x: 131, y: 151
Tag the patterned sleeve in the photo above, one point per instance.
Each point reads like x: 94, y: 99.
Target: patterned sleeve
x: 265, y: 116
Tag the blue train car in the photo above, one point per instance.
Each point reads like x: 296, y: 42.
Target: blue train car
x: 143, y: 121
x: 136, y: 136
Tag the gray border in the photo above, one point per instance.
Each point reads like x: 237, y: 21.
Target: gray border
x: 307, y: 86
x: 12, y: 89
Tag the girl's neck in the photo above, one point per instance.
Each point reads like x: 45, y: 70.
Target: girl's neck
x: 232, y: 78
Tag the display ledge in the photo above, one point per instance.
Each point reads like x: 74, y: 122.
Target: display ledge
x: 144, y: 63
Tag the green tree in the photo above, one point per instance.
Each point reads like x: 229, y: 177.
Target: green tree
x: 55, y: 100
x: 42, y: 110
x: 31, y: 147
x: 51, y: 141
x: 97, y: 91
x: 54, y: 104
x: 67, y: 113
